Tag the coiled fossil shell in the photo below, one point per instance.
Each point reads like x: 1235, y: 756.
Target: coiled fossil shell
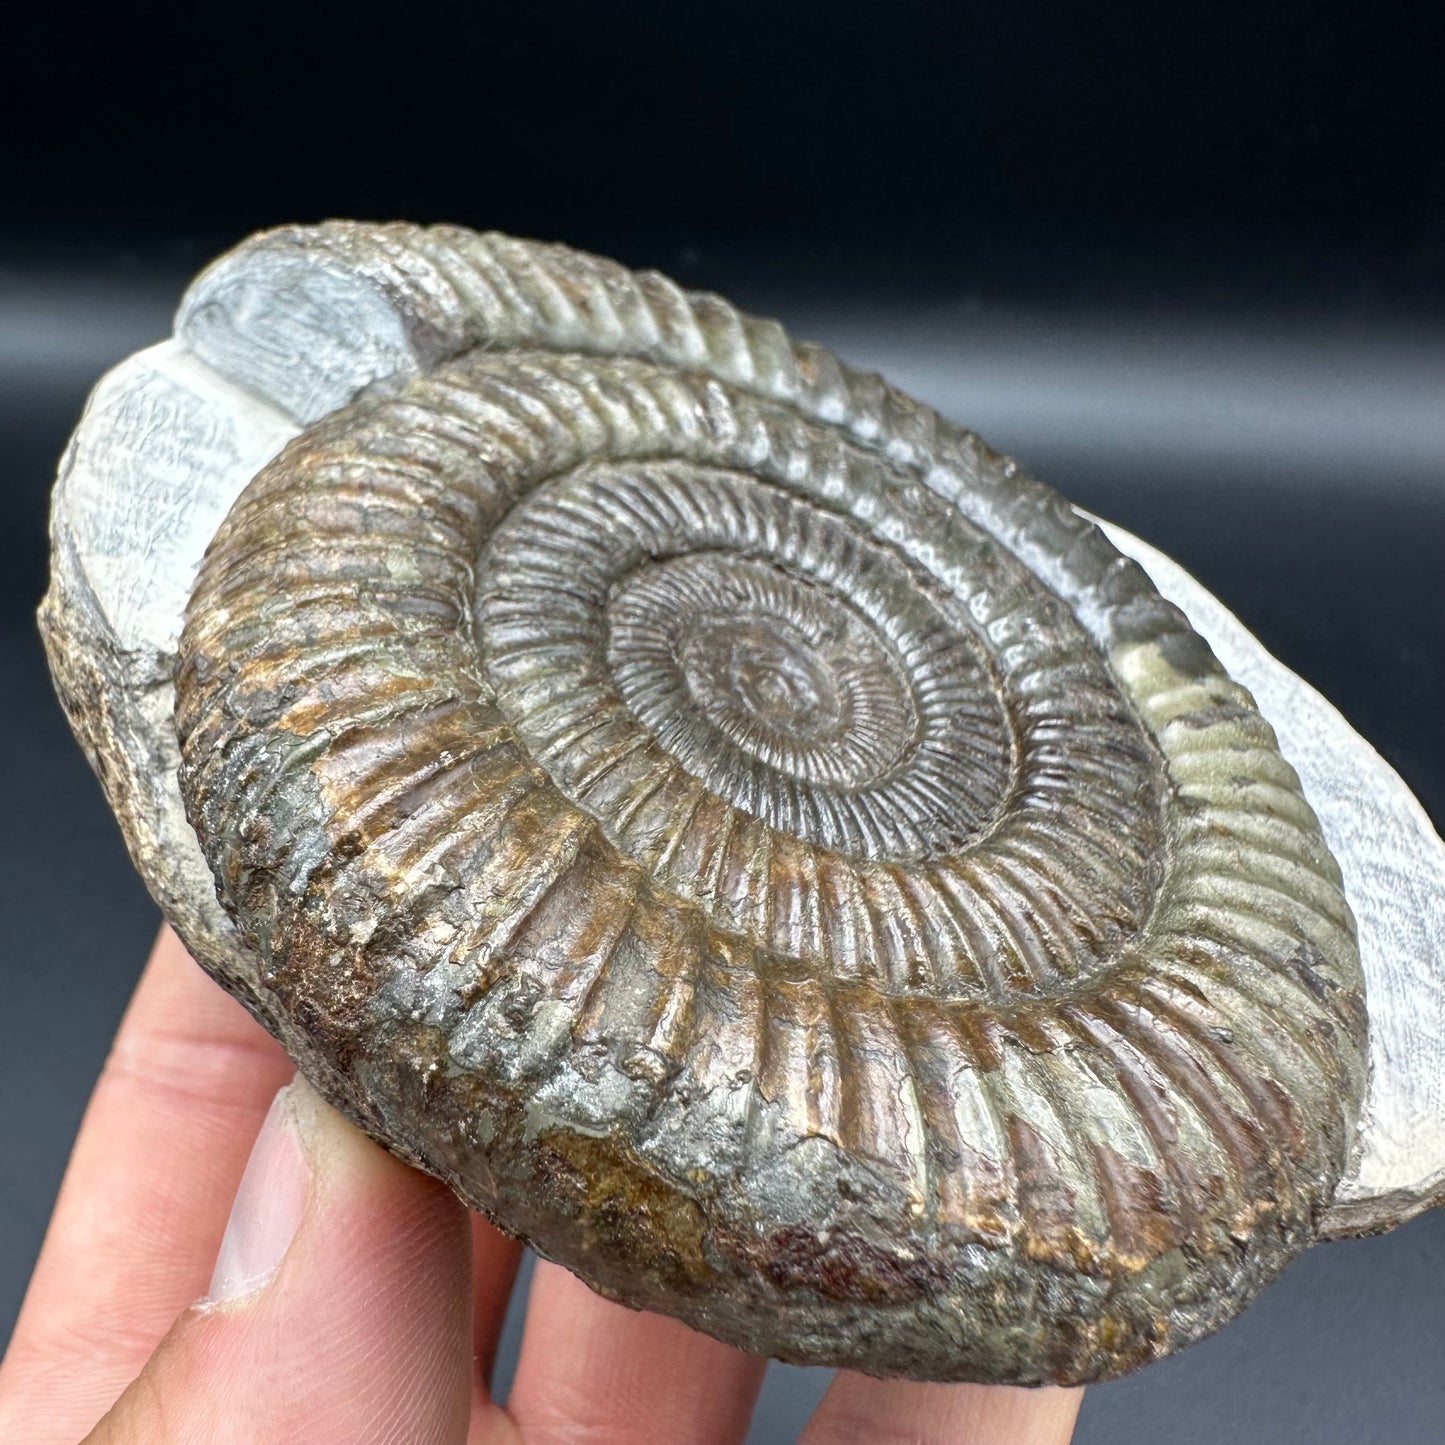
x: 746, y: 836
x: 866, y: 904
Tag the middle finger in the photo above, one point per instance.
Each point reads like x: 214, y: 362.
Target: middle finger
x: 597, y: 1370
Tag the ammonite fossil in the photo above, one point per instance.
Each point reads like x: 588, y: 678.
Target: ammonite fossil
x: 749, y: 838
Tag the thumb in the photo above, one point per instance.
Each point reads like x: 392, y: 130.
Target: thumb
x: 339, y: 1310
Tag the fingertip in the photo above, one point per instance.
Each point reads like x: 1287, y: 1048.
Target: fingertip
x: 266, y: 1212
x: 343, y: 1299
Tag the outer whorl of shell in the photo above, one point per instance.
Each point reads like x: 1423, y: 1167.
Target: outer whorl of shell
x: 764, y: 849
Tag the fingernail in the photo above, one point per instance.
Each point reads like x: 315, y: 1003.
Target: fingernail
x: 267, y: 1210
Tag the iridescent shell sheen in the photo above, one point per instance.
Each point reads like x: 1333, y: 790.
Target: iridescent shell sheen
x: 760, y: 846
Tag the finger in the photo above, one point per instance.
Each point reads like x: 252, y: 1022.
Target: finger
x: 595, y: 1370
x: 858, y: 1408
x: 340, y: 1311
x: 494, y: 1271
x: 145, y: 1197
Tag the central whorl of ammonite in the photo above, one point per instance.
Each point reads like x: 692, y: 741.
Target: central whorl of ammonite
x: 760, y: 846
x: 769, y: 687
x: 790, y: 664
x: 897, y: 758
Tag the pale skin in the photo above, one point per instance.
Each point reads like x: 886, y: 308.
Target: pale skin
x: 379, y: 1318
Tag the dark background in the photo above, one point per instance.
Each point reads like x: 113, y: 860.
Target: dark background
x: 1187, y: 263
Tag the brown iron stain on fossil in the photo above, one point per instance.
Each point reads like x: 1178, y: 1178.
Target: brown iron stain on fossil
x: 751, y: 840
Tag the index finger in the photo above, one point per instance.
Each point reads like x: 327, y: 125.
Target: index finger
x: 145, y: 1197
x: 858, y: 1408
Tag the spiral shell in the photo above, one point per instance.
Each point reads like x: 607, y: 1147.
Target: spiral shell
x: 761, y: 847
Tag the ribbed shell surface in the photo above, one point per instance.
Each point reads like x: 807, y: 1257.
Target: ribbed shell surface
x: 761, y: 847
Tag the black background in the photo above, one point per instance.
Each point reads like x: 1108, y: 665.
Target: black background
x: 1185, y: 262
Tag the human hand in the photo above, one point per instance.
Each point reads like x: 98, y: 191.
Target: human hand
x: 352, y: 1299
